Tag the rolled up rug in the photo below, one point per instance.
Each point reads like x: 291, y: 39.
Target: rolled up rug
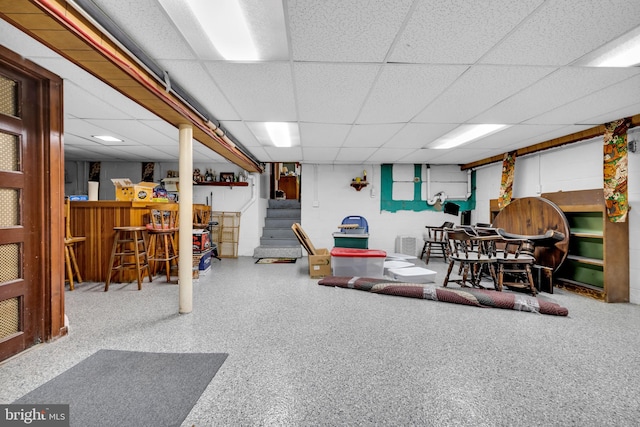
x: 466, y: 296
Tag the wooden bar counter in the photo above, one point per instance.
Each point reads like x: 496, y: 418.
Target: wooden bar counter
x: 95, y: 220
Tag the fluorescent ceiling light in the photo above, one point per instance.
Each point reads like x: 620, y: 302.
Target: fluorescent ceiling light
x: 226, y: 25
x: 278, y: 134
x: 622, y: 52
x: 107, y: 138
x: 464, y: 134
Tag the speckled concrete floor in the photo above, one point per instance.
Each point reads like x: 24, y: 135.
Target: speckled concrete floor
x: 307, y: 355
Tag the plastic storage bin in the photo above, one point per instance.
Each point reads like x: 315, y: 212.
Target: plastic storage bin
x: 388, y: 265
x: 357, y: 262
x: 344, y: 240
x: 413, y: 274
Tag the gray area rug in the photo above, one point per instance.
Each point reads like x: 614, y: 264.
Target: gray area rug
x: 130, y: 388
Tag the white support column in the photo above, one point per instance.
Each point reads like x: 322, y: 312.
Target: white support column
x: 185, y: 262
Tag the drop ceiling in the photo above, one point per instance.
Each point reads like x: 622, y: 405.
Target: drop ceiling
x: 367, y: 81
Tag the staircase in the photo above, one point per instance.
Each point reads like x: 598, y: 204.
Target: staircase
x: 278, y: 240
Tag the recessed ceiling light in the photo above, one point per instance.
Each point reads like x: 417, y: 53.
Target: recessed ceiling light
x: 231, y: 29
x: 621, y: 52
x: 107, y: 138
x: 279, y: 134
x: 226, y: 25
x: 464, y: 134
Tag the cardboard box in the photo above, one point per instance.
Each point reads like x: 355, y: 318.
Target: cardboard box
x: 126, y: 191
x: 320, y: 263
x: 201, y: 241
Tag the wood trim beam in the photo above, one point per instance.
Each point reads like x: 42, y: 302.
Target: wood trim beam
x: 63, y: 29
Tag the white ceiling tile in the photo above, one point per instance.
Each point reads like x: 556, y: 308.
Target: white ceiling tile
x: 512, y: 135
x: 457, y: 31
x: 202, y: 152
x: 354, y: 155
x: 332, y: 93
x: 478, y: 89
x: 196, y: 81
x: 417, y: 135
x: 605, y: 100
x: 260, y: 91
x: 262, y: 155
x: 560, y: 32
x: 347, y: 31
x: 323, y: 134
x: 319, y: 155
x: 292, y: 154
x: 558, y: 88
x: 371, y: 135
x: 147, y: 24
x: 628, y: 111
x: 135, y: 131
x: 84, y: 105
x: 241, y: 132
x: 85, y: 129
x: 351, y: 64
x: 389, y: 155
x: 402, y: 91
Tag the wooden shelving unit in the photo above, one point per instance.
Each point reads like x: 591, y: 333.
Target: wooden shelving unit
x: 222, y: 184
x: 597, y: 264
x: 226, y: 233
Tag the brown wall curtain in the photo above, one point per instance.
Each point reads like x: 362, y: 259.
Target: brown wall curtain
x: 615, y: 169
x: 506, y: 186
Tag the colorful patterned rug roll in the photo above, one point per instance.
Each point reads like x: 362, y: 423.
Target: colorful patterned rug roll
x: 466, y: 296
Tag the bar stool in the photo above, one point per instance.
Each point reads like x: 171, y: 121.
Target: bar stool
x: 162, y: 228
x: 70, y: 241
x: 129, y: 252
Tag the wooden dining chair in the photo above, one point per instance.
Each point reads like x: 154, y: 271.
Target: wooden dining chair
x: 468, y: 251
x: 201, y: 216
x: 435, y: 242
x: 71, y: 263
x: 515, y: 259
x: 162, y: 228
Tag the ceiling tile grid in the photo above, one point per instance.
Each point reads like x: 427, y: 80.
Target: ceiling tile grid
x: 402, y: 91
x: 344, y: 31
x: 478, y: 89
x: 561, y: 31
x: 364, y: 81
x: 458, y: 31
x: 260, y: 91
x: 332, y: 93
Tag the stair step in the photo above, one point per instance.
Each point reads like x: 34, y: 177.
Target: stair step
x: 266, y: 241
x: 280, y: 222
x: 284, y: 204
x: 279, y: 232
x: 283, y: 213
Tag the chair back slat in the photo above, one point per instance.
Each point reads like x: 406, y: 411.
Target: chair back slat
x: 163, y: 216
